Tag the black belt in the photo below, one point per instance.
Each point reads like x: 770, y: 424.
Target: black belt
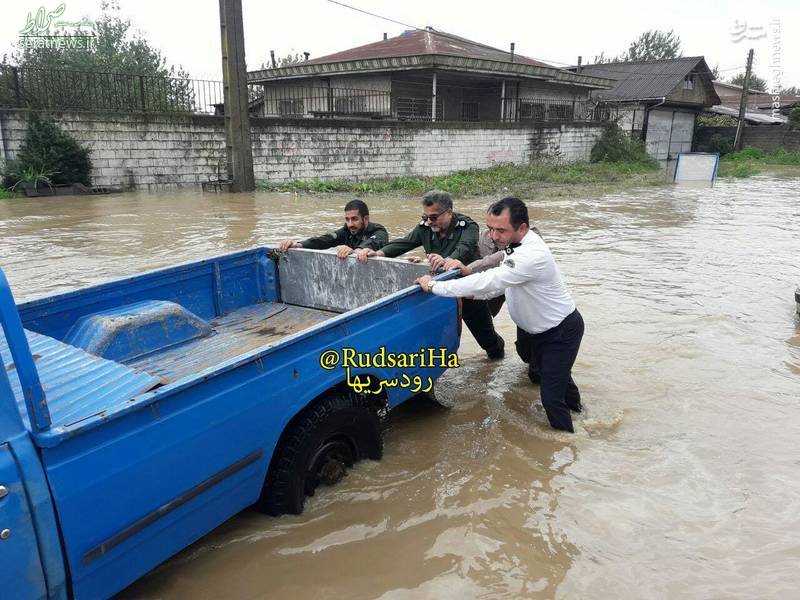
x: 571, y: 316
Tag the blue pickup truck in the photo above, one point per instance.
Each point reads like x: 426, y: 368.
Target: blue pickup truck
x: 139, y: 414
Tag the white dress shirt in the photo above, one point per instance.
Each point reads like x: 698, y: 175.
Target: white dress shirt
x: 537, y: 298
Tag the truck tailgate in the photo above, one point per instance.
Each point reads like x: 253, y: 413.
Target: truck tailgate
x: 79, y: 386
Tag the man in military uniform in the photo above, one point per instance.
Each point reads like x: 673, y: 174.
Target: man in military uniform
x: 357, y: 234
x: 445, y: 234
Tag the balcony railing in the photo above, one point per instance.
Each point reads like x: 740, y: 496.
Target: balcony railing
x: 542, y: 109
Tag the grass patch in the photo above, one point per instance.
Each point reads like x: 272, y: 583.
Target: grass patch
x: 751, y: 161
x: 738, y: 169
x: 510, y: 179
x: 5, y: 194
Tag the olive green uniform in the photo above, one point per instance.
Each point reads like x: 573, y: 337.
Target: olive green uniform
x: 374, y: 237
x: 459, y: 242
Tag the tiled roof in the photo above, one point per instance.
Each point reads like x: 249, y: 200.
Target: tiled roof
x: 428, y: 50
x: 421, y: 42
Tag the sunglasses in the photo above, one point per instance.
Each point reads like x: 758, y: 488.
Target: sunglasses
x: 434, y: 216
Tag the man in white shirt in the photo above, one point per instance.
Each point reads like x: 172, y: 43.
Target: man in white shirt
x: 538, y: 302
x: 490, y: 257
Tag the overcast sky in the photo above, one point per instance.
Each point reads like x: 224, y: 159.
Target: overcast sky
x: 555, y: 32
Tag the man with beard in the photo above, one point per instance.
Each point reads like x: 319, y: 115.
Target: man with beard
x: 357, y: 234
x: 538, y: 301
x: 445, y: 234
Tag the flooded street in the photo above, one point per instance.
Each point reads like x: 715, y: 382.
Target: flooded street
x: 683, y: 477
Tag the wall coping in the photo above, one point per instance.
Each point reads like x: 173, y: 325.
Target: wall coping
x: 269, y: 122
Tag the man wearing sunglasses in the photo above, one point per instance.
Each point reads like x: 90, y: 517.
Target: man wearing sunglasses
x: 445, y: 234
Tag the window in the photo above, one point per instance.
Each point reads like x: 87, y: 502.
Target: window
x: 688, y: 82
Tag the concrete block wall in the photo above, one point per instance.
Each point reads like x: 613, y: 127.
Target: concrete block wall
x: 157, y: 151
x: 766, y: 137
x: 301, y: 150
x: 136, y: 151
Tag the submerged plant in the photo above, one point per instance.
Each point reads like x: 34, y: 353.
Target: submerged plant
x: 31, y: 175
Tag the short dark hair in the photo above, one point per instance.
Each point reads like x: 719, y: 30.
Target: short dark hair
x: 517, y: 211
x: 358, y: 205
x: 443, y: 199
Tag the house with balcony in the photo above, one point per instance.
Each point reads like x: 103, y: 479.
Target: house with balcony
x: 425, y: 75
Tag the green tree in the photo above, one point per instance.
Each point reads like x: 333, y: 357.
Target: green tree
x: 117, y: 49
x: 756, y: 82
x: 654, y: 44
x: 288, y: 60
x: 602, y: 58
x: 790, y: 91
x: 650, y: 45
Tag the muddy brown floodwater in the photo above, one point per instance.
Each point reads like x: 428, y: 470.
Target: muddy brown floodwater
x: 682, y: 480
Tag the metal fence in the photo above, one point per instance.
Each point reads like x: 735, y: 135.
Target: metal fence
x: 53, y: 89
x: 319, y: 102
x: 333, y: 102
x: 80, y: 90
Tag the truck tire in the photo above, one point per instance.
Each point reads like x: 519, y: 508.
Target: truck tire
x: 317, y: 448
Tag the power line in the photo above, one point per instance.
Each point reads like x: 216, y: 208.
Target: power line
x: 431, y: 30
x: 553, y: 63
x: 377, y: 16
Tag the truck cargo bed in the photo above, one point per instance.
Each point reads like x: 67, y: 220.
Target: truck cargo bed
x: 80, y: 386
x: 234, y: 334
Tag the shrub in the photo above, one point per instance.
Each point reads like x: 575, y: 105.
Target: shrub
x: 711, y: 120
x: 615, y: 145
x: 794, y: 118
x: 719, y: 143
x: 742, y: 170
x: 48, y: 149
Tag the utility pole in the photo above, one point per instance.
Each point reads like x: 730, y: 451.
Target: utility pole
x: 234, y: 85
x: 737, y: 143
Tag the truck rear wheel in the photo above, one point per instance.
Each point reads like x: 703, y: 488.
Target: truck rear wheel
x: 317, y: 448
